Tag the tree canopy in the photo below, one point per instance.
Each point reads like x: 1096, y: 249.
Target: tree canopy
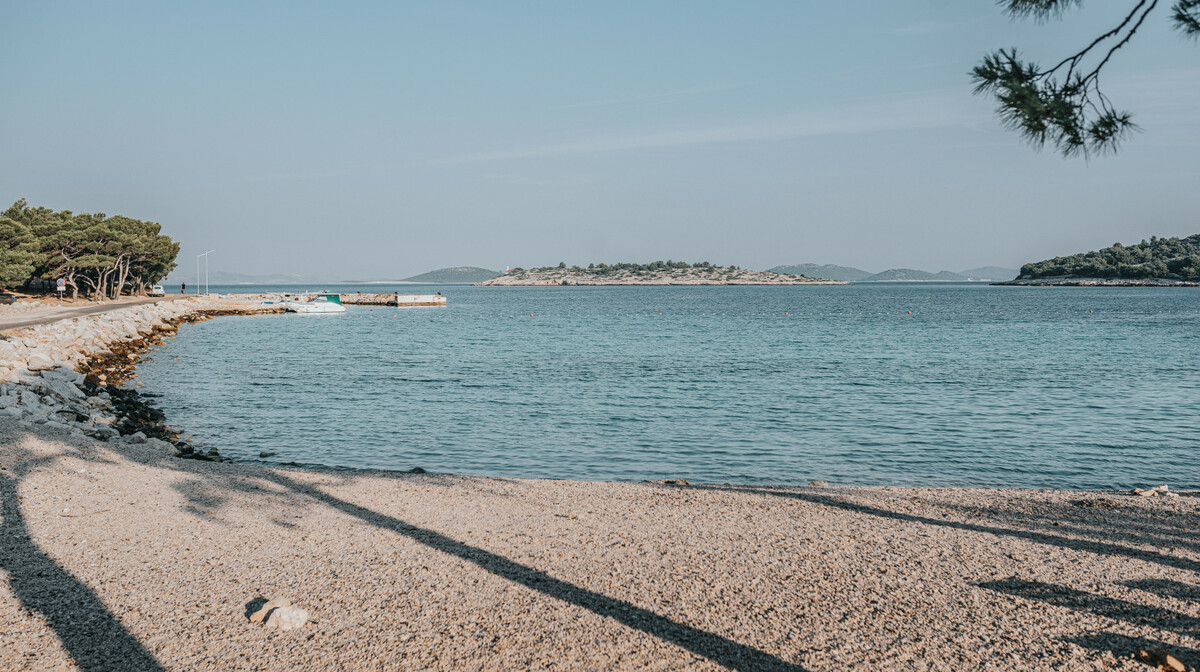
x: 1172, y: 258
x: 97, y: 254
x: 1063, y: 105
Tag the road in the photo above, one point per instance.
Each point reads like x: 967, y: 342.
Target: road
x: 55, y: 313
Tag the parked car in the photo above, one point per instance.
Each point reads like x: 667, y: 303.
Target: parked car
x: 158, y: 290
x: 7, y: 299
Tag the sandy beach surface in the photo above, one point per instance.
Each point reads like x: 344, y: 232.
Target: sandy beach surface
x: 116, y: 556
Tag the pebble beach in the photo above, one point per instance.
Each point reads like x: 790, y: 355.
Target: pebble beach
x: 116, y: 554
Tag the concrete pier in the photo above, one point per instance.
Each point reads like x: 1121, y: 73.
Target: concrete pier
x: 394, y: 299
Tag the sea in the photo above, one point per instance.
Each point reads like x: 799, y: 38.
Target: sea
x: 905, y: 384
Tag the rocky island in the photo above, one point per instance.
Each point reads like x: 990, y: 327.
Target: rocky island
x: 656, y: 273
x: 1159, y: 262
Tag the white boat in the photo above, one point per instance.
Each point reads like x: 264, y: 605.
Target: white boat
x: 315, y: 303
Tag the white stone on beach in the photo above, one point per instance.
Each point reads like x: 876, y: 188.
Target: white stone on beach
x: 287, y: 618
x: 279, y: 614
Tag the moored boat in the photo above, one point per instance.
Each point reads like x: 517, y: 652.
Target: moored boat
x: 315, y: 303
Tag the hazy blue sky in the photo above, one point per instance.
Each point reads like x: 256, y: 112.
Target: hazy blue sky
x: 379, y: 140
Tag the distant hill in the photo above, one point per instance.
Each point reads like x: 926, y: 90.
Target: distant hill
x: 851, y: 274
x: 830, y: 271
x: 913, y: 275
x: 990, y: 273
x: 1157, y: 259
x: 467, y: 275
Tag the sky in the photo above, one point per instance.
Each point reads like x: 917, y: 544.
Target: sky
x: 378, y: 140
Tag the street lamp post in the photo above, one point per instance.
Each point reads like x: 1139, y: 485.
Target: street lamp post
x: 205, y: 255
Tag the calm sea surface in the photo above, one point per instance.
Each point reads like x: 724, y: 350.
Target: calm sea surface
x: 978, y: 386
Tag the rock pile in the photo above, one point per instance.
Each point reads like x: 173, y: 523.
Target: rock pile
x: 70, y: 343
x: 41, y: 381
x: 63, y: 399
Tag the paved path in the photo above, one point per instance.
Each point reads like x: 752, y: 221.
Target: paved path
x: 55, y: 313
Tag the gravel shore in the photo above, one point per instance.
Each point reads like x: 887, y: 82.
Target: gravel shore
x: 117, y: 556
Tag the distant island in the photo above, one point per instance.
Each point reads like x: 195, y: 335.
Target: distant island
x: 656, y: 273
x: 850, y: 274
x: 843, y: 273
x: 1157, y: 262
x: 466, y: 275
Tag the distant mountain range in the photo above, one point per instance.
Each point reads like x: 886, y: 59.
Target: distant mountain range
x: 472, y: 274
x: 996, y: 273
x: 230, y: 278
x: 467, y: 275
x: 828, y: 271
x: 444, y: 276
x: 850, y: 274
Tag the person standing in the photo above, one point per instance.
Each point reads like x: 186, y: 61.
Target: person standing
x: 183, y: 288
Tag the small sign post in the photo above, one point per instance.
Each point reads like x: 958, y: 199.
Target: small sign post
x: 62, y: 285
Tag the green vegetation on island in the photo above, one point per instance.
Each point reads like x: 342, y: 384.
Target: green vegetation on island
x: 99, y: 255
x: 1157, y: 259
x: 468, y: 275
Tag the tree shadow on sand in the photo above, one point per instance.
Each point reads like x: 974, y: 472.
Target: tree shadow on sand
x: 1166, y: 588
x: 1129, y: 646
x: 1101, y: 605
x: 1109, y: 607
x: 93, y: 637
x: 726, y: 652
x: 1043, y: 532
x: 1102, y: 518
x: 1048, y: 526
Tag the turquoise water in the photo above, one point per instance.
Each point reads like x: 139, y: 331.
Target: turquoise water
x: 978, y: 386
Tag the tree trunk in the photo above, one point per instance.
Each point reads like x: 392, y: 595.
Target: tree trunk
x: 123, y: 264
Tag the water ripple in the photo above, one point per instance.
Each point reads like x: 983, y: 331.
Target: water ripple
x: 980, y: 386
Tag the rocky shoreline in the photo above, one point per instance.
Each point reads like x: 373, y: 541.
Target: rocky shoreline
x: 1072, y: 281
x: 69, y: 374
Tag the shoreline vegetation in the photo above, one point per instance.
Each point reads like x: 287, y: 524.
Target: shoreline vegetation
x: 102, y: 256
x: 1158, y: 262
x: 436, y: 571
x: 655, y: 273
